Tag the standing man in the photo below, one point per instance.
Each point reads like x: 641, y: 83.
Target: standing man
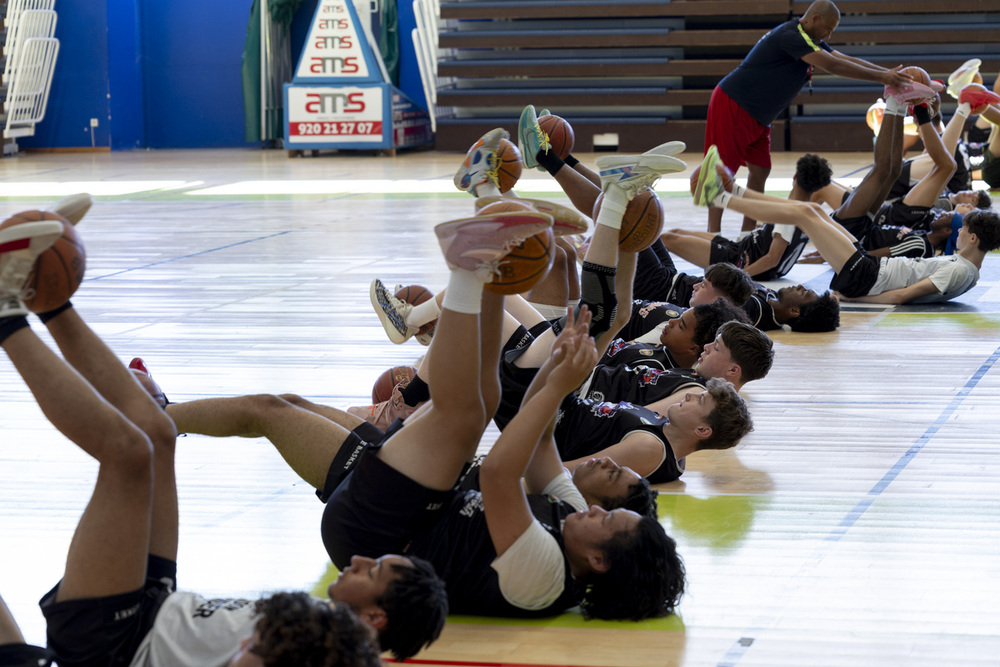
x: 749, y: 98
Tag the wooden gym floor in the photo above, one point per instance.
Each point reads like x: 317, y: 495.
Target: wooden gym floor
x: 858, y: 525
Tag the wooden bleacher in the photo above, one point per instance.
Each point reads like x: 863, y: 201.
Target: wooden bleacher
x: 645, y: 69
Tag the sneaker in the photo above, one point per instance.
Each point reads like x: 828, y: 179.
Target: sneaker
x: 963, y: 76
x: 477, y: 244
x: 12, y: 306
x: 481, y: 162
x: 565, y: 221
x: 709, y: 183
x: 531, y: 140
x: 669, y: 149
x: 73, y: 207
x: 382, y: 415
x: 633, y: 173
x: 910, y: 94
x: 873, y: 117
x: 428, y: 329
x: 20, y: 245
x: 141, y: 373
x: 392, y: 313
x: 978, y: 97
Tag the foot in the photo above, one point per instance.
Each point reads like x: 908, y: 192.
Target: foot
x: 633, y: 173
x: 963, y: 76
x: 912, y: 93
x: 477, y: 244
x: 481, y: 162
x: 978, y: 97
x: 20, y: 245
x: 669, y: 149
x: 383, y: 414
x: 565, y: 221
x: 392, y: 313
x: 531, y: 140
x: 73, y: 207
x: 141, y: 373
x: 709, y: 180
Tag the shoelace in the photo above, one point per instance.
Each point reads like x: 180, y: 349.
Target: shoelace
x: 15, y: 272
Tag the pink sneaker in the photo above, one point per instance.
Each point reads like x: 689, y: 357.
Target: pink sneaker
x: 141, y: 373
x: 475, y: 243
x: 912, y: 93
x: 382, y: 415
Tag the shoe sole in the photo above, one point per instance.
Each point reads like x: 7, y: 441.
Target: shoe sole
x: 699, y: 189
x: 669, y: 149
x: 73, y: 207
x: 389, y: 322
x: 565, y: 221
x: 523, y: 136
x: 20, y: 237
x: 526, y: 224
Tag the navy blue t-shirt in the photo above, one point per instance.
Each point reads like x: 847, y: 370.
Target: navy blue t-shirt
x: 773, y: 72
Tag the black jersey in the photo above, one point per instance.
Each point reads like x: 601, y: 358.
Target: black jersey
x: 959, y: 181
x: 900, y: 214
x: 758, y: 243
x: 657, y: 279
x: 901, y: 241
x: 585, y: 427
x: 760, y: 311
x: 648, y: 315
x: 640, y: 386
x: 646, y: 355
x: 461, y: 551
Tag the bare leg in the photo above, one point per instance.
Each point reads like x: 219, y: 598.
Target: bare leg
x: 756, y: 180
x: 553, y: 289
x: 873, y: 189
x: 588, y: 173
x: 715, y: 221
x: 9, y: 632
x: 694, y: 249
x: 579, y: 188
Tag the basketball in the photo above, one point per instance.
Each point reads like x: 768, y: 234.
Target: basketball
x: 642, y: 222
x: 505, y: 206
x: 509, y: 169
x: 525, y: 265
x: 59, y: 270
x: 560, y: 133
x: 382, y: 390
x: 918, y: 74
x: 414, y: 295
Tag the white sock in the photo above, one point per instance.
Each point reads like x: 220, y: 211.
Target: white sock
x: 721, y: 200
x: 612, y: 208
x: 464, y: 293
x: 738, y: 191
x: 892, y: 106
x: 963, y: 110
x: 425, y: 312
x: 487, y: 189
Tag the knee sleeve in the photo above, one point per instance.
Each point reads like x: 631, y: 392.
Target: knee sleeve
x: 597, y: 292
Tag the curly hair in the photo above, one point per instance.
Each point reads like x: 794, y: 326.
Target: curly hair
x: 297, y: 630
x: 812, y: 172
x: 817, y: 316
x: 645, y: 576
x: 730, y: 420
x: 750, y: 348
x: 986, y: 226
x: 640, y: 498
x: 415, y: 605
x: 711, y: 316
x: 731, y: 281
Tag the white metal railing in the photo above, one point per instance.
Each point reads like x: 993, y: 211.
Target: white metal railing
x: 16, y: 10
x: 425, y: 41
x: 28, y: 91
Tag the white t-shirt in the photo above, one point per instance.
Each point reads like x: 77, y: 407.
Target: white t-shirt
x: 787, y: 232
x: 532, y: 572
x: 190, y: 630
x: 952, y: 275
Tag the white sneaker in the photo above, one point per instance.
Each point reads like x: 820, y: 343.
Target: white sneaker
x: 73, y: 207
x: 633, y: 173
x: 392, y: 313
x: 669, y: 149
x: 20, y: 245
x: 481, y: 162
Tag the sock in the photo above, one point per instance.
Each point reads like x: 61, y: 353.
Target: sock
x: 893, y: 106
x: 9, y: 325
x: 425, y: 312
x: 721, y: 200
x: 738, y: 191
x: 49, y: 314
x: 487, y: 189
x: 964, y: 109
x: 464, y: 293
x: 416, y: 392
x: 612, y: 208
x: 571, y: 161
x: 550, y: 161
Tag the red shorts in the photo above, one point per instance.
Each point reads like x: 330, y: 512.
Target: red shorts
x: 738, y: 136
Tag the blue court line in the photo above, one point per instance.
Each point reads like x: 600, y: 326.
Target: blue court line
x: 742, y: 644
x: 188, y: 256
x: 859, y: 170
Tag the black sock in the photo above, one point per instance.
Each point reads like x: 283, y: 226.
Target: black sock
x: 416, y: 392
x: 9, y: 325
x: 49, y: 314
x: 571, y: 161
x: 550, y: 161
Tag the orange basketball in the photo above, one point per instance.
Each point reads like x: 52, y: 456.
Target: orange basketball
x: 525, y: 265
x: 918, y: 74
x: 509, y: 169
x: 416, y: 294
x: 560, y: 133
x: 382, y: 390
x: 59, y: 270
x: 642, y: 222
x: 505, y: 206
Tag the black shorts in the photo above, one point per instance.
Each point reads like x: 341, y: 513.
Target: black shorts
x: 358, y: 440
x: 858, y: 226
x: 991, y: 169
x: 24, y: 655
x: 514, y: 380
x: 107, y: 631
x: 902, y: 215
x: 724, y: 250
x: 858, y: 275
x: 377, y: 510
x: 654, y: 278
